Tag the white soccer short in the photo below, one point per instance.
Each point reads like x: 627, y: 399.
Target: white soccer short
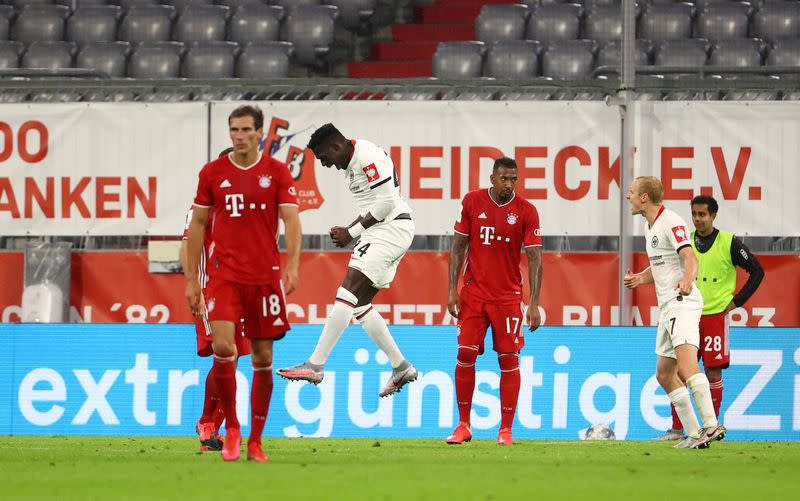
x: 679, y: 324
x: 380, y: 249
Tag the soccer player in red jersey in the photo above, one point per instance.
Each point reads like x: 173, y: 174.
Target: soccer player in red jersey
x: 246, y: 191
x: 494, y: 224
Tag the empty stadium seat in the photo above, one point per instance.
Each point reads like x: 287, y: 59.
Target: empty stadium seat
x: 49, y: 55
x: 291, y: 4
x: 255, y: 23
x: 785, y: 53
x: 6, y: 13
x: 76, y: 4
x: 210, y: 60
x: 610, y: 54
x: 9, y: 54
x: 264, y: 60
x: 743, y: 53
x: 568, y: 59
x: 93, y: 24
x: 21, y: 4
x: 501, y: 22
x: 201, y: 23
x: 108, y: 57
x: 233, y: 4
x: 147, y: 24
x: 310, y: 29
x: 693, y: 52
x: 554, y: 22
x: 513, y: 59
x: 354, y: 15
x: 778, y: 20
x: 664, y: 21
x: 40, y: 23
x: 126, y: 4
x: 458, y: 60
x: 723, y: 21
x: 604, y: 23
x: 156, y: 60
x: 180, y: 5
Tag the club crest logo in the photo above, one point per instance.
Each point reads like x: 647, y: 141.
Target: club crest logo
x: 654, y: 241
x: 289, y: 147
x: 211, y: 304
x: 265, y: 181
x: 680, y: 233
x: 512, y: 218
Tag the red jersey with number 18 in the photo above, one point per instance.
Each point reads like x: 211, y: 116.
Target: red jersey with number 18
x: 244, y: 202
x: 496, y: 234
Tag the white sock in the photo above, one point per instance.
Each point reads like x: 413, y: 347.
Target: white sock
x: 683, y: 407
x: 701, y: 391
x: 337, y: 322
x: 375, y: 327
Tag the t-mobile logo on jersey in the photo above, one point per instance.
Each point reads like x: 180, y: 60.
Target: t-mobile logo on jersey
x: 234, y: 203
x: 487, y: 233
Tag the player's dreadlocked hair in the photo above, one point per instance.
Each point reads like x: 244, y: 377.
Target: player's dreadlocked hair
x: 506, y: 162
x: 323, y: 135
x: 248, y: 110
x: 708, y: 200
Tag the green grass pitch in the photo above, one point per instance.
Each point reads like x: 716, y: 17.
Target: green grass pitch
x: 397, y: 469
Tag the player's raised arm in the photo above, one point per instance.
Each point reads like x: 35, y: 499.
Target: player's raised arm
x: 294, y: 236
x: 194, y: 247
x: 534, y: 254
x: 457, y: 254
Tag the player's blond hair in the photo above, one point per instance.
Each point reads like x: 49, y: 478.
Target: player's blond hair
x: 652, y: 187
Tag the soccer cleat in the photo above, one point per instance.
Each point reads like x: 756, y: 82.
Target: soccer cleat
x: 690, y: 442
x: 716, y: 433
x: 208, y: 437
x: 400, y: 378
x: 461, y: 434
x: 504, y: 437
x: 254, y: 453
x: 233, y: 443
x: 671, y: 434
x: 303, y: 372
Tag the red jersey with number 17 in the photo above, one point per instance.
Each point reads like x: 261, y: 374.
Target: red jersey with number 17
x: 496, y: 234
x: 244, y: 202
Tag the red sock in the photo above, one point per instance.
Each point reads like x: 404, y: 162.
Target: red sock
x: 211, y: 401
x: 716, y: 395
x: 219, y: 416
x: 509, y: 387
x: 465, y: 380
x: 225, y: 375
x: 260, y: 395
x: 676, y: 421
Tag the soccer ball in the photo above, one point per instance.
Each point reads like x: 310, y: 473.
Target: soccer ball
x: 599, y: 432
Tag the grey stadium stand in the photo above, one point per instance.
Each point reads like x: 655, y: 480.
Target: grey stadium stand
x: 201, y: 23
x: 723, y: 21
x: 49, y: 55
x: 40, y: 23
x: 255, y: 23
x: 610, y: 53
x: 554, y: 22
x: 690, y: 52
x: 354, y: 14
x: 6, y: 13
x: 568, y: 59
x: 291, y: 4
x: 264, y: 60
x: 94, y: 24
x: 180, y: 5
x: 458, y: 60
x: 233, y: 4
x: 604, y: 24
x: 517, y: 59
x: 156, y: 60
x: 127, y: 4
x: 310, y: 29
x: 210, y: 60
x: 501, y: 22
x: 76, y: 4
x: 9, y: 54
x: 785, y: 53
x: 666, y: 22
x: 742, y: 53
x: 778, y: 20
x: 147, y: 24
x: 108, y: 57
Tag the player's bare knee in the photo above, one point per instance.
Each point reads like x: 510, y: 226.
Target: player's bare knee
x: 224, y: 349
x: 665, y: 376
x: 467, y: 355
x: 713, y: 374
x: 261, y: 351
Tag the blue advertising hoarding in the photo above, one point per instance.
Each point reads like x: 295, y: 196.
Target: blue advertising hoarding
x: 122, y: 379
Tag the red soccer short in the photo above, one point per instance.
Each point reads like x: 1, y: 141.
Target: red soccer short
x: 203, y: 330
x: 506, y: 321
x: 263, y: 307
x: 714, y: 340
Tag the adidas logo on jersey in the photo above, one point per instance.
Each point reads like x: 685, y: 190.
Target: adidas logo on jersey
x: 718, y: 357
x: 482, y: 215
x: 277, y: 322
x: 225, y: 184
